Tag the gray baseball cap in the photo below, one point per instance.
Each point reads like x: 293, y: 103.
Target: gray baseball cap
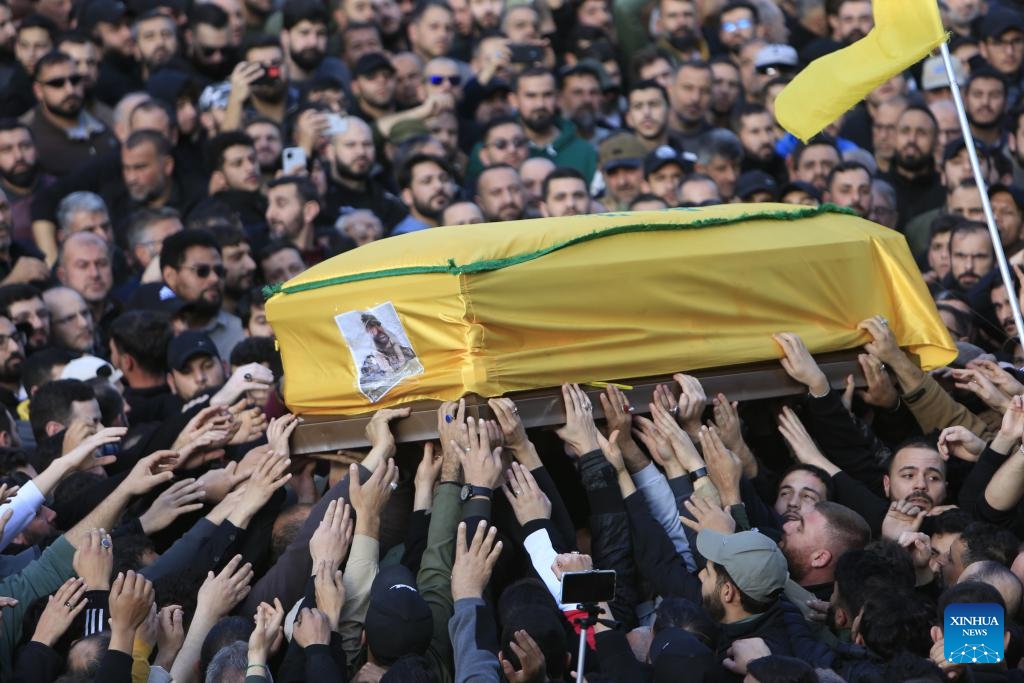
x: 753, y: 560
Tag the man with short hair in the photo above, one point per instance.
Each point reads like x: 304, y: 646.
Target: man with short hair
x: 147, y: 229
x: 719, y: 155
x: 12, y: 355
x: 1002, y: 45
x: 61, y: 403
x: 913, y: 174
x: 621, y: 157
x: 192, y: 270
x: 755, y: 127
x: 280, y: 261
x: 499, y: 194
x: 373, y: 86
x: 503, y: 141
x: 462, y: 213
x: 235, y: 176
x: 883, y: 130
x: 431, y: 30
x: 738, y: 24
x: 239, y: 266
x: 156, y: 41
x: 83, y: 212
x: 292, y: 208
x: 690, y: 96
x: 84, y: 266
x: 550, y: 136
x: 20, y: 175
x: 304, y: 39
x: 259, y: 84
x: 66, y: 135
x: 427, y: 189
x: 23, y: 305
x: 971, y: 256
x: 361, y: 226
x: 664, y: 170
x: 985, y: 101
x: 815, y: 539
x: 350, y: 157
x: 138, y: 348
x: 71, y: 322
x: 580, y: 100
x: 208, y: 43
x: 565, y: 194
x: 813, y: 161
x: 647, y: 114
x: 849, y: 185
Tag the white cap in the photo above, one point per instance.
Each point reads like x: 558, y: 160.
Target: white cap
x: 88, y: 367
x: 934, y: 76
x: 776, y: 54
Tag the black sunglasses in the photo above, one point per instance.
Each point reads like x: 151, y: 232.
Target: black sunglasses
x: 209, y: 51
x: 452, y: 80
x: 203, y: 270
x: 74, y: 80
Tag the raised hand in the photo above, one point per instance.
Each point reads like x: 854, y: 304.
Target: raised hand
x: 170, y: 635
x: 801, y: 443
x: 580, y: 432
x: 178, y: 499
x: 61, y: 609
x: 331, y: 539
x: 330, y: 592
x: 279, y: 431
x: 248, y: 377
x: 883, y: 345
x: 217, y: 483
x: 378, y: 433
x: 532, y: 665
x: 980, y: 385
x: 507, y: 415
x: 707, y: 515
x: 611, y: 451
x: 800, y: 364
x: 369, y: 499
x: 681, y: 441
x: 221, y: 592
x: 692, y: 401
x: 131, y: 597
x: 480, y: 464
x: 1003, y: 380
x: 526, y: 497
x: 474, y: 562
x: 960, y: 442
x: 881, y: 391
x: 267, y: 635
x: 902, y: 516
x: 85, y: 455
x: 426, y: 476
x: 659, y: 446
x: 151, y: 471
x: 311, y: 628
x: 724, y: 468
x: 94, y: 560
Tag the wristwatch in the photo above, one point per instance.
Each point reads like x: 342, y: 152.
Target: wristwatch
x: 469, y: 491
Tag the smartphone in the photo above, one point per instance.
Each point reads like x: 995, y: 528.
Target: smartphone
x: 526, y: 54
x: 271, y: 74
x: 110, y: 449
x: 336, y: 125
x: 588, y: 587
x: 293, y: 160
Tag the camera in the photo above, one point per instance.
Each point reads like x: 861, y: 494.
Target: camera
x: 271, y: 74
x: 588, y: 587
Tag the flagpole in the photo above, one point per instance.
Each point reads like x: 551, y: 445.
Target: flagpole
x: 997, y: 244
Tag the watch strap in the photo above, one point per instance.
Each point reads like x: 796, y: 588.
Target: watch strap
x: 698, y: 474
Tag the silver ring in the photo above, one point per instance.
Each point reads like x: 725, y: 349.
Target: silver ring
x: 394, y: 486
x: 516, y: 491
x: 248, y: 377
x: 105, y: 543
x: 68, y: 604
x: 674, y: 410
x: 883, y: 321
x: 468, y: 449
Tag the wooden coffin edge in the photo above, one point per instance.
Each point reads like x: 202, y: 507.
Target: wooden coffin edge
x: 325, y: 434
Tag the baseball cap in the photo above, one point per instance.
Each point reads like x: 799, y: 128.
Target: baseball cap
x: 369, y: 64
x: 664, y: 155
x: 187, y: 345
x: 88, y: 367
x: 215, y: 96
x: 752, y: 182
x: 933, y: 74
x: 409, y: 128
x: 398, y: 620
x: 100, y: 12
x: 1000, y: 20
x: 753, y: 560
x: 777, y: 56
x: 621, y: 150
x: 674, y: 650
x: 800, y: 186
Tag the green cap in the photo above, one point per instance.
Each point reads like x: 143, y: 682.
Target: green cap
x: 753, y: 560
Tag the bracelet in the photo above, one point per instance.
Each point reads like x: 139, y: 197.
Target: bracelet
x: 698, y: 474
x: 262, y: 667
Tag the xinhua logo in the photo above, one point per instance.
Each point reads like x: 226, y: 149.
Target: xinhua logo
x: 973, y: 633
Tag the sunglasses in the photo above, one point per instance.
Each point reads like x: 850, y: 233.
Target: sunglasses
x: 501, y: 144
x: 75, y: 81
x: 438, y: 80
x: 741, y: 25
x: 203, y: 271
x: 209, y: 51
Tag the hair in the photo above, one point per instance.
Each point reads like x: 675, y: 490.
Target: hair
x: 924, y: 110
x: 424, y: 6
x: 410, y: 669
x: 219, y: 145
x: 155, y: 138
x: 209, y: 14
x: 559, y: 173
x: 952, y: 521
x: 845, y: 167
x: 51, y: 58
x: 274, y: 247
x: 304, y: 187
x: 258, y: 350
x: 646, y: 197
x: 744, y: 110
x: 246, y: 304
x: 78, y: 202
x: 984, y: 541
x: 150, y: 16
x: 648, y: 84
x: 229, y: 663
x: 228, y: 235
x: 37, y: 368
x: 212, y: 211
x: 781, y: 669
x: 684, y: 614
x: 495, y: 122
x: 12, y: 294
x: 748, y: 603
x: 645, y: 57
x: 177, y: 245
x: 39, y: 21
x: 741, y: 4
x: 110, y: 400
x: 896, y: 620
x: 295, y: 12
x: 129, y: 550
x: 882, y: 564
x: 815, y: 471
x: 928, y: 442
x: 846, y: 528
x: 530, y: 72
x: 142, y: 219
x: 52, y: 403
x: 984, y: 72
x: 143, y: 335
x: 967, y: 592
x: 719, y: 142
x: 968, y: 227
x: 995, y: 573
x: 545, y: 627
x: 259, y: 42
x: 74, y: 38
x: 155, y: 105
x: 802, y: 147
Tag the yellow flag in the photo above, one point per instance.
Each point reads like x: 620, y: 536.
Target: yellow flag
x: 905, y: 32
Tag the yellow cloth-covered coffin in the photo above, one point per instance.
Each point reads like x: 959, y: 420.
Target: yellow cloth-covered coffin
x: 501, y: 307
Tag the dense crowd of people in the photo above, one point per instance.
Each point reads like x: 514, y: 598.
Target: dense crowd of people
x: 163, y: 160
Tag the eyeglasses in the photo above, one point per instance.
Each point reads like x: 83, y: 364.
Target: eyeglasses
x: 741, y: 25
x: 203, y: 270
x: 209, y: 51
x: 438, y: 80
x: 501, y: 144
x: 1013, y: 43
x: 74, y: 80
x: 18, y: 337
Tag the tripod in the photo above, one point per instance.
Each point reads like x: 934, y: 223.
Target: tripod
x: 592, y: 619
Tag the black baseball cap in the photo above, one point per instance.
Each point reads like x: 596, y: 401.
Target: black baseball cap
x: 188, y: 345
x: 371, y: 64
x: 398, y: 620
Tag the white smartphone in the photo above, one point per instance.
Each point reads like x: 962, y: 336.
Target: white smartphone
x: 336, y: 124
x: 293, y: 160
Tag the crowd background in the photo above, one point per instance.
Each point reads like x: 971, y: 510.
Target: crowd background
x: 162, y: 160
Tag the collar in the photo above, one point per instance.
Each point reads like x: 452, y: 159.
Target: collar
x: 87, y: 126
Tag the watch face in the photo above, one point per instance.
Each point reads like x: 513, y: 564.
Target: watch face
x: 467, y: 492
